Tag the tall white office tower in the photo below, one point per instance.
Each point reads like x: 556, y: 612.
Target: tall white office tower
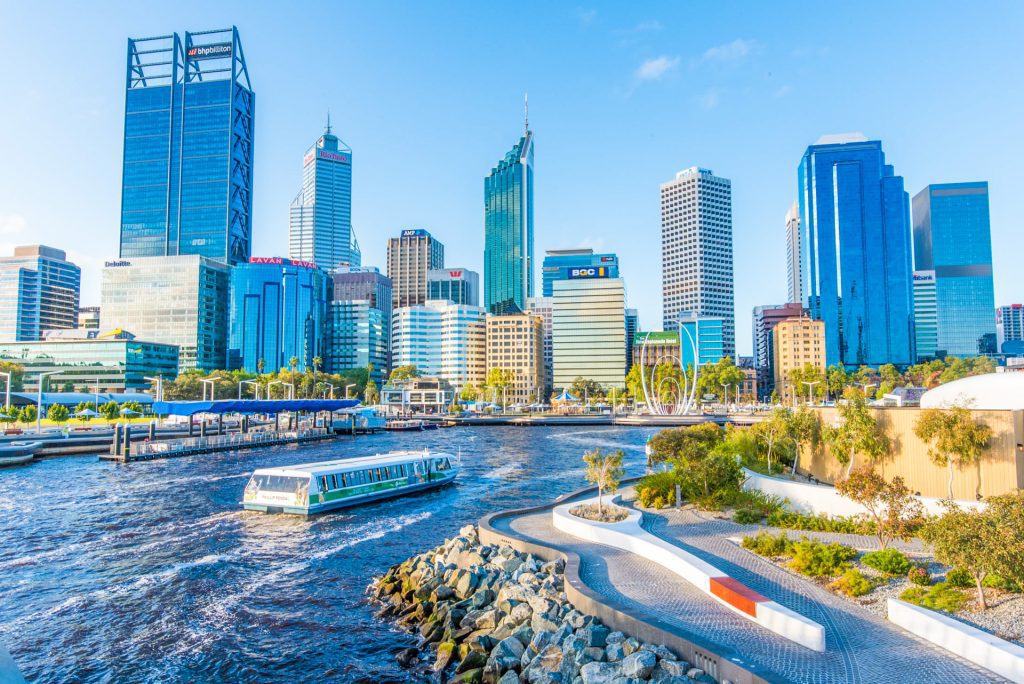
x: 794, y: 264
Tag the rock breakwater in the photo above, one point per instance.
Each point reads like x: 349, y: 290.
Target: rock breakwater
x: 490, y: 614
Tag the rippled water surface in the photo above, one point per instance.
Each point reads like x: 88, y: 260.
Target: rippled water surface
x: 151, y: 572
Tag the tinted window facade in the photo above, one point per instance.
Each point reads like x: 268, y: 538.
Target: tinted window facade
x: 508, y: 230
x: 573, y: 263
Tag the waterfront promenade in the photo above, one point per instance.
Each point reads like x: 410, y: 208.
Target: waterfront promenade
x: 861, y: 646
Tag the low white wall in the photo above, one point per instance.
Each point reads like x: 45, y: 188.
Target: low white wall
x: 805, y: 497
x: 991, y: 652
x: 629, y: 536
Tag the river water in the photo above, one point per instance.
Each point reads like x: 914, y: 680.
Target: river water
x: 151, y: 572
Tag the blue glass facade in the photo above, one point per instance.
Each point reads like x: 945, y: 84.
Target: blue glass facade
x: 855, y: 242
x: 708, y: 334
x: 508, y: 230
x: 563, y: 264
x: 278, y: 310
x: 188, y: 148
x: 952, y: 237
x: 358, y: 334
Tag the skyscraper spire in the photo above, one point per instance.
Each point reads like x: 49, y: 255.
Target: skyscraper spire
x: 328, y: 131
x: 526, y: 112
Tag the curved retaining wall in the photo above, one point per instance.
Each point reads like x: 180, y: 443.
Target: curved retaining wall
x: 722, y: 664
x: 628, y: 535
x: 968, y: 642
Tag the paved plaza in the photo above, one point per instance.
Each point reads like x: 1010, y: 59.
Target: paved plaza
x: 861, y: 647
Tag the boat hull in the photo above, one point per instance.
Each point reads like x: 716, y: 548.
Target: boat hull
x: 15, y: 460
x: 372, y: 497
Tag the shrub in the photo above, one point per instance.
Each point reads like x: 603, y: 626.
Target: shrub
x: 999, y: 582
x: 960, y: 577
x: 654, y: 490
x: 896, y: 513
x: 919, y: 575
x: 815, y: 559
x: 939, y: 596
x: 889, y: 561
x: 852, y: 583
x: 765, y: 544
x: 819, y: 523
x: 747, y: 516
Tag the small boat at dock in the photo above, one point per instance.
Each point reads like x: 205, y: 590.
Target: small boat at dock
x: 404, y: 425
x: 310, y: 488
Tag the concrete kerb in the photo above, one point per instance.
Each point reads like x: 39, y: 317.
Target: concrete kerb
x: 717, y: 585
x: 720, y: 662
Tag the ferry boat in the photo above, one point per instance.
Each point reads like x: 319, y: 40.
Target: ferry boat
x: 18, y: 453
x: 317, y: 487
x: 404, y: 425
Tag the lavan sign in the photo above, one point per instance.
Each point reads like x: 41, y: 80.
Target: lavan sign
x: 590, y: 272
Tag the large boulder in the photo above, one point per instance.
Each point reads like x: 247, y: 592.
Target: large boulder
x: 639, y: 664
x: 600, y: 673
x: 509, y: 648
x: 445, y: 653
x: 546, y: 667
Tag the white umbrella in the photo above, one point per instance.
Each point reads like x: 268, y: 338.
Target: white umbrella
x: 86, y: 413
x: 128, y: 412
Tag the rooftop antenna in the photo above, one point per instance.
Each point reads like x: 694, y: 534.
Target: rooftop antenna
x: 328, y: 121
x: 526, y: 112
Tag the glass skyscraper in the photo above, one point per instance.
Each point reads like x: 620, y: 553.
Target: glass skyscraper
x: 278, y: 310
x: 508, y: 230
x: 457, y: 285
x: 562, y: 264
x: 952, y: 238
x: 320, y: 219
x: 856, y: 253
x: 188, y: 148
x: 357, y: 336
x: 39, y: 290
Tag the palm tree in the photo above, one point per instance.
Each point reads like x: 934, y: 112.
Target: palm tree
x: 260, y: 365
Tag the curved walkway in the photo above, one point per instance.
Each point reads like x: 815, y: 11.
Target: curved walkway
x: 862, y: 647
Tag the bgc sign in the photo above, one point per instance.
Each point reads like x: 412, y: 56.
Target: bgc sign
x: 589, y: 272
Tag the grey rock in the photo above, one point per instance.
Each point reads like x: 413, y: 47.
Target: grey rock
x: 521, y: 612
x: 407, y: 657
x: 630, y: 645
x: 474, y: 660
x: 509, y: 648
x: 694, y: 672
x: 600, y: 673
x: 483, y: 598
x: 466, y: 583
x: 546, y: 667
x: 539, y: 623
x: 639, y: 664
x: 614, y: 652
x: 509, y: 677
x: 672, y: 668
x: 615, y: 638
x: 594, y: 635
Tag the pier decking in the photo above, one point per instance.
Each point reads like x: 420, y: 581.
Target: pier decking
x: 192, y: 446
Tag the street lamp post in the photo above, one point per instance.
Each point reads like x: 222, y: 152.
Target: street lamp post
x: 331, y: 386
x: 7, y: 398
x: 725, y: 385
x: 809, y: 386
x: 866, y: 385
x: 271, y: 384
x: 211, y: 382
x: 39, y: 400
x: 159, y: 380
x: 347, y: 388
x: 291, y: 389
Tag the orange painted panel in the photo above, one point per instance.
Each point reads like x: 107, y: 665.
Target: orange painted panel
x: 737, y: 595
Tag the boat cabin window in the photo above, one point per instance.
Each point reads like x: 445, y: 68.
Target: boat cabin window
x: 284, y: 484
x: 334, y: 481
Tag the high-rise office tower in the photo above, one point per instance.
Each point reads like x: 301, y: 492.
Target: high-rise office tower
x: 1010, y: 323
x: 543, y: 307
x: 360, y: 320
x: 765, y: 318
x: 278, y: 311
x: 926, y: 318
x: 39, y: 290
x: 856, y: 253
x: 588, y: 331
x: 188, y: 148
x: 701, y: 339
x: 632, y: 325
x: 441, y: 339
x: 794, y: 268
x: 508, y: 229
x: 411, y: 256
x: 458, y: 285
x: 952, y: 237
x: 515, y: 343
x: 563, y: 264
x: 320, y: 218
x: 696, y: 250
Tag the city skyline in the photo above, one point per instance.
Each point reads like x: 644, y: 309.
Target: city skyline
x: 646, y: 72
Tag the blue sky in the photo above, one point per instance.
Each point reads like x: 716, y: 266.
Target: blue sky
x: 622, y: 95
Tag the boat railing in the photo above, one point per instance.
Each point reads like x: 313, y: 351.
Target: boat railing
x: 225, y: 442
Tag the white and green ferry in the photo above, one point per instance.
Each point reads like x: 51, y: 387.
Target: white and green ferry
x: 310, y: 488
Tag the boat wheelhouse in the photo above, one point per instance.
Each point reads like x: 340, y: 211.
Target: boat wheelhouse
x: 316, y: 487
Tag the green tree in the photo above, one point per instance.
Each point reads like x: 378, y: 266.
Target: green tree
x: 972, y: 540
x: 27, y: 414
x: 615, y: 396
x: 774, y: 431
x: 586, y: 389
x: 805, y: 429
x: 605, y: 471
x: 370, y: 395
x: 401, y: 373
x: 12, y: 414
x: 111, y: 410
x: 954, y: 438
x: 857, y: 433
x: 469, y: 393
x: 807, y: 373
x: 260, y: 365
x: 715, y: 377
x: 958, y: 368
x: 497, y: 380
x: 686, y: 443
x: 1008, y: 513
x: 838, y: 379
x: 890, y: 379
x: 58, y: 413
x: 891, y: 505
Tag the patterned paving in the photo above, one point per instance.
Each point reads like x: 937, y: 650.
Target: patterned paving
x: 861, y: 647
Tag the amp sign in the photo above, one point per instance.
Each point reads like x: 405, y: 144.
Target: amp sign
x: 589, y: 272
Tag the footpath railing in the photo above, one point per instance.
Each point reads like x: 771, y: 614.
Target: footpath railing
x: 235, y: 440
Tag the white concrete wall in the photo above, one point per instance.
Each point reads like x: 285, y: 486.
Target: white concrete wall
x: 629, y: 536
x: 805, y: 497
x: 991, y: 652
